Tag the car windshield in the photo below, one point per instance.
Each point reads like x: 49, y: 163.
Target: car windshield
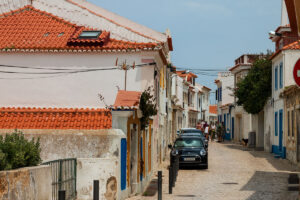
x: 191, y: 131
x: 195, y: 134
x: 188, y: 142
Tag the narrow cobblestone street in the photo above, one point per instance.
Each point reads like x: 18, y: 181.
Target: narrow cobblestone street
x: 234, y: 173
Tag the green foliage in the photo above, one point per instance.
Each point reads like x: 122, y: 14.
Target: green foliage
x: 253, y: 92
x: 148, y: 107
x: 17, y: 152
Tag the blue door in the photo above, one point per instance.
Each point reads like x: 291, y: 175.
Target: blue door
x: 232, y: 128
x: 280, y: 130
x: 123, y: 163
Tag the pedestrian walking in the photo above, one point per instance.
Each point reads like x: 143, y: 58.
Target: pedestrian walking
x: 219, y: 132
x: 206, y: 131
x: 223, y: 131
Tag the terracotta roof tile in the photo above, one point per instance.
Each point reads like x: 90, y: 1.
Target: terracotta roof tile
x: 130, y: 99
x: 213, y: 109
x: 29, y: 28
x: 53, y: 118
x: 292, y: 46
x: 184, y: 74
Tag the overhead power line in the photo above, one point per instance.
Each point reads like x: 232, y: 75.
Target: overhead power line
x: 62, y: 70
x: 59, y: 71
x: 202, y: 69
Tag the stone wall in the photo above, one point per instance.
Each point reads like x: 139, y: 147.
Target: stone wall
x: 105, y: 170
x: 60, y: 144
x: 32, y: 183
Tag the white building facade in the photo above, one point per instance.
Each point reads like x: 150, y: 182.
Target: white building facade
x: 60, y: 68
x: 225, y: 99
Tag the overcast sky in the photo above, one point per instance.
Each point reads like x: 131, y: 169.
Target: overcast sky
x: 207, y: 34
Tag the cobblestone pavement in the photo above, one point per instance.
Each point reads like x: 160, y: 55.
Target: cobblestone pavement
x: 234, y: 173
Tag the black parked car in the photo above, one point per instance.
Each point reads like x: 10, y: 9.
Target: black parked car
x: 191, y: 151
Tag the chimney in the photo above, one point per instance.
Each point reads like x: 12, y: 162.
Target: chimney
x: 284, y: 14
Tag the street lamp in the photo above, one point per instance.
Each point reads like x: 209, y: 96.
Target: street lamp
x: 273, y: 34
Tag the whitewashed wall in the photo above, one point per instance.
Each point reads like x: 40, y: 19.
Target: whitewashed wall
x: 227, y: 81
x: 268, y: 126
x: 72, y: 90
x: 290, y: 59
x: 180, y: 90
x: 105, y: 170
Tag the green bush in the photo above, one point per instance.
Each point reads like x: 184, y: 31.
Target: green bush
x: 17, y: 152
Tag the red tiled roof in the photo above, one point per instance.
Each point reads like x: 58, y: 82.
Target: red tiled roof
x: 213, y: 109
x: 54, y: 118
x: 29, y: 28
x: 185, y: 74
x: 129, y: 99
x: 292, y: 46
x: 89, y: 10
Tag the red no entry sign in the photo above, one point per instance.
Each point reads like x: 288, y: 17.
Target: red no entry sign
x: 296, y: 73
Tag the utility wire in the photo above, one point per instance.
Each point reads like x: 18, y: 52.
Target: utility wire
x: 202, y: 69
x: 62, y: 71
x: 65, y: 71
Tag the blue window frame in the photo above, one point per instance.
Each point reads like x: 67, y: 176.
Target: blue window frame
x: 276, y: 123
x: 221, y: 94
x: 228, y: 121
x: 276, y: 78
x: 281, y: 75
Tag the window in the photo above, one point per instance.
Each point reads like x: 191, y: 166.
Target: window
x: 221, y: 94
x: 225, y: 124
x: 288, y: 123
x: 61, y: 34
x: 89, y: 34
x: 276, y: 123
x: 276, y: 78
x: 281, y: 75
x: 199, y: 102
x: 293, y: 118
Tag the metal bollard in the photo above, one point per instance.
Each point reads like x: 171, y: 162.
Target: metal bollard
x: 173, y: 174
x: 96, y: 190
x: 62, y: 195
x: 175, y: 169
x: 170, y: 179
x: 177, y: 166
x: 159, y: 184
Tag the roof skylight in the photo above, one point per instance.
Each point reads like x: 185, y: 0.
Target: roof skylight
x: 89, y: 35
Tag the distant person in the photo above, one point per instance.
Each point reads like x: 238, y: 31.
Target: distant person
x: 212, y: 131
x: 206, y: 131
x: 198, y: 125
x: 223, y: 131
x: 219, y: 132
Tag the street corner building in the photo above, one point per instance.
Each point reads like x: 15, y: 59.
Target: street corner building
x: 72, y: 74
x: 283, y: 141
